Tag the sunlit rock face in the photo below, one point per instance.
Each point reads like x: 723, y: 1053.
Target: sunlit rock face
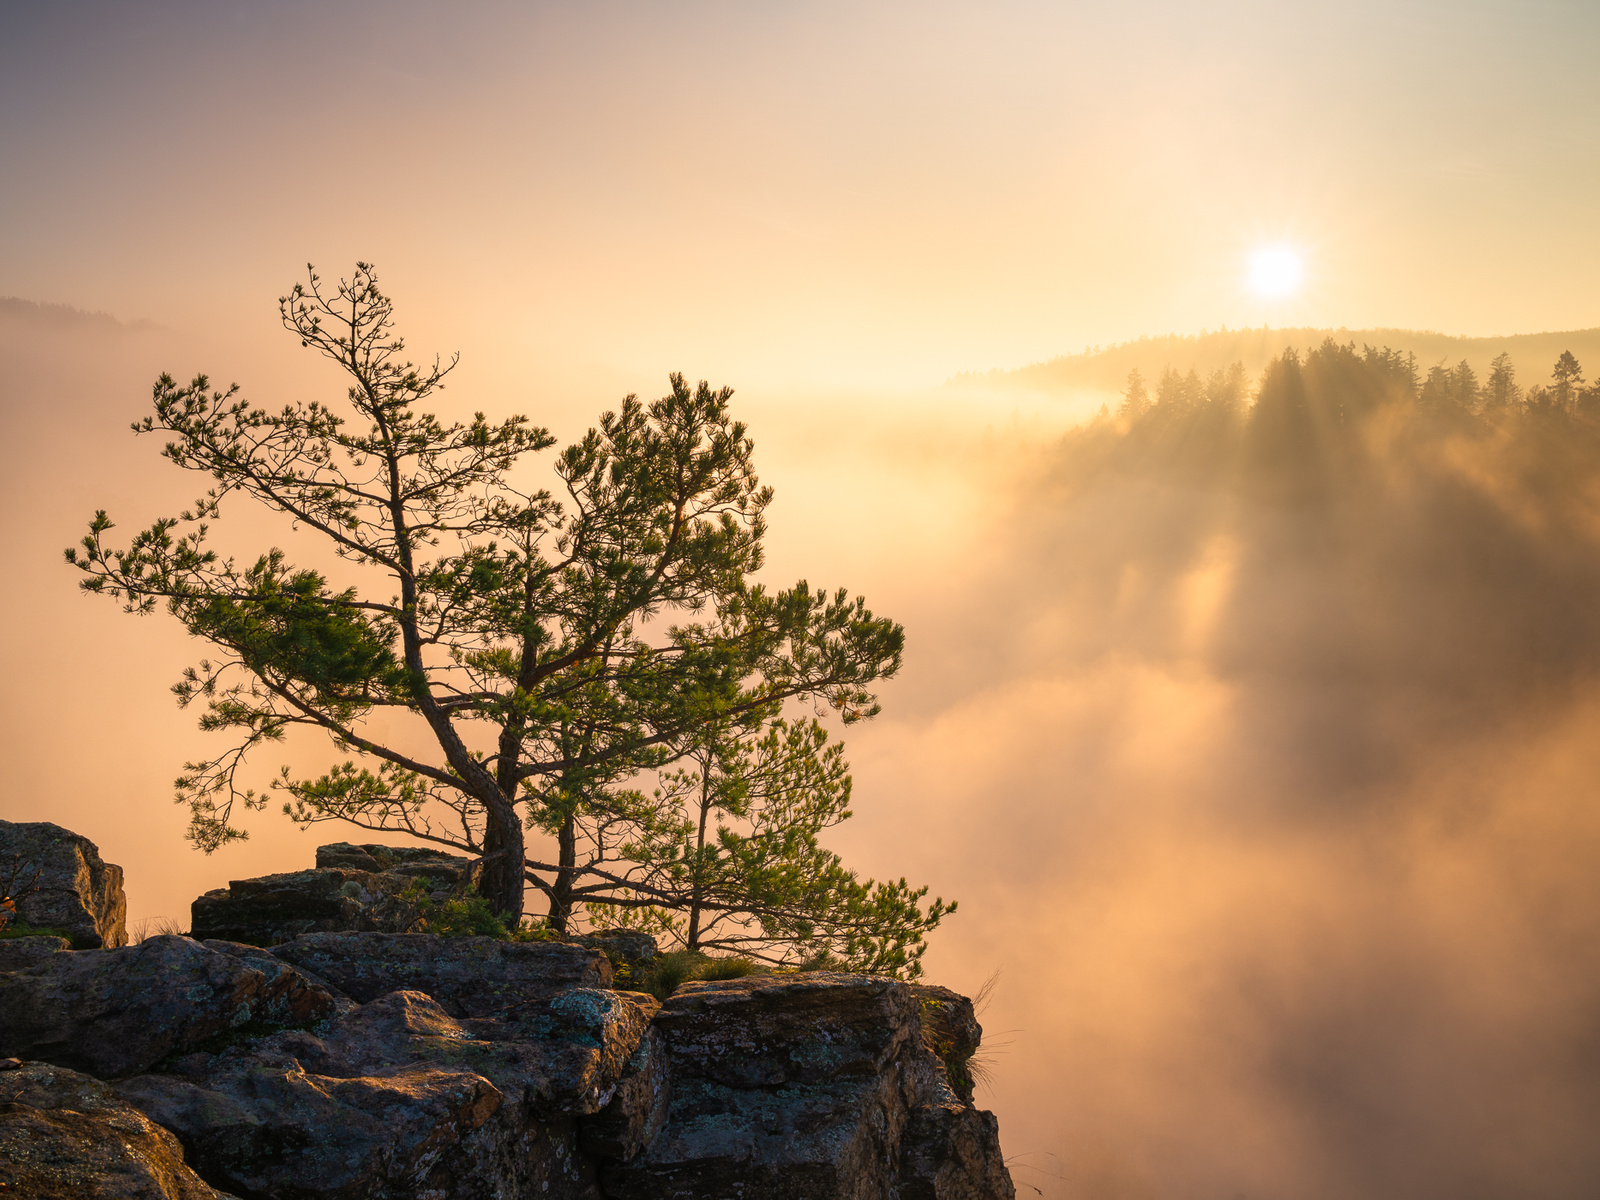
x: 62, y: 883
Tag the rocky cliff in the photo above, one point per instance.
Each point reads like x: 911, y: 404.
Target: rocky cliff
x: 61, y: 884
x: 346, y: 1063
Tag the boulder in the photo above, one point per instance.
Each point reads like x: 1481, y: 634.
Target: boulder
x: 65, y: 1136
x: 278, y: 1131
x: 563, y: 1055
x: 394, y: 860
x: 74, y: 891
x: 812, y: 1085
x: 767, y: 1030
x: 351, y: 888
x: 17, y: 954
x: 276, y: 908
x: 468, y: 976
x: 114, y: 1012
x: 399, y: 1098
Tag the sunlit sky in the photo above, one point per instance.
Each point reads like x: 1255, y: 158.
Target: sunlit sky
x: 801, y: 194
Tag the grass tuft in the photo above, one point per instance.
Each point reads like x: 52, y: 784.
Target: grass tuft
x: 149, y: 927
x: 665, y: 973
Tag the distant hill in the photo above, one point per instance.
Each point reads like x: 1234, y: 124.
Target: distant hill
x: 15, y: 311
x: 1106, y: 369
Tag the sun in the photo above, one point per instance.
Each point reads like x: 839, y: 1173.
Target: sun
x: 1275, y: 272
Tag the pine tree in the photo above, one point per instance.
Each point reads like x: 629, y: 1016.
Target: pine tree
x: 545, y: 650
x: 1501, y: 391
x: 725, y: 856
x: 1135, y: 397
x: 1566, y: 382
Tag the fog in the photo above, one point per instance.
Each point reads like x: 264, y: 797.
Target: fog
x: 1276, y: 808
x: 1271, y: 802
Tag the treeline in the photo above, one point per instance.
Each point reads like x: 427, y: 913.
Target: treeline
x: 1316, y: 420
x: 1336, y: 377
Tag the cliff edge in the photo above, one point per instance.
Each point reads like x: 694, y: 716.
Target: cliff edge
x: 358, y: 1064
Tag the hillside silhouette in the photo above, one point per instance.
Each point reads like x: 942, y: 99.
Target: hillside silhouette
x: 1106, y: 368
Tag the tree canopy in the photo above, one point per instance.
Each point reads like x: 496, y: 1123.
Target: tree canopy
x: 575, y: 659
x: 1305, y: 429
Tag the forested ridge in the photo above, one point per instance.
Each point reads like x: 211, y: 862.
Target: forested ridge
x: 1313, y: 424
x: 1380, y: 520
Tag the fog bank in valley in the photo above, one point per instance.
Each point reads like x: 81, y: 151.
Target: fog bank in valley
x: 1264, y: 754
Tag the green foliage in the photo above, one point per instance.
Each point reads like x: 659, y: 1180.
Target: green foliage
x: 730, y: 967
x: 466, y: 916
x: 453, y: 916
x: 729, y: 850
x: 497, y: 657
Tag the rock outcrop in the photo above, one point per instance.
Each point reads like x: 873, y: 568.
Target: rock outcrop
x: 391, y: 860
x: 468, y: 976
x: 951, y: 1031
x: 113, y: 1012
x: 74, y: 891
x: 397, y: 1097
x: 350, y: 888
x: 810, y: 1085
x: 368, y: 1065
x: 66, y: 1136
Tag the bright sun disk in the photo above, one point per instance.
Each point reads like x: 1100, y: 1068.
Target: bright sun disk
x: 1275, y: 271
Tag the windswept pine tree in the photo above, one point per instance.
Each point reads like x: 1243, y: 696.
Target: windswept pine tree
x: 549, y: 659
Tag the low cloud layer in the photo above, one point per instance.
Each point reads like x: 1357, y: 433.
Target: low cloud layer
x: 1276, y: 805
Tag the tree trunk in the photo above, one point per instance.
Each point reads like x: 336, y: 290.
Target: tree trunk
x: 504, y: 854
x: 567, y: 864
x: 692, y: 940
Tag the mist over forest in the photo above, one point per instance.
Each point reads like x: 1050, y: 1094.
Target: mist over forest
x: 1293, y: 675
